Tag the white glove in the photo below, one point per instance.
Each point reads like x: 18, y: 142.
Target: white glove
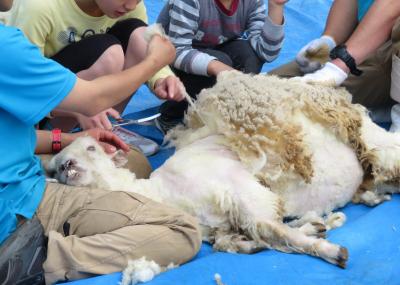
x: 319, y: 49
x: 329, y: 75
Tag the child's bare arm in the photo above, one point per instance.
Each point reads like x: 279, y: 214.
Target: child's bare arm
x: 266, y: 33
x: 215, y: 67
x: 107, y: 139
x: 275, y: 11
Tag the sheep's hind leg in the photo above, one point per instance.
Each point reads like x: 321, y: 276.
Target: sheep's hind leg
x: 284, y: 238
x: 259, y: 219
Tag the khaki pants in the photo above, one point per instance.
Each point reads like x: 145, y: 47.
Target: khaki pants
x: 372, y: 88
x: 93, y: 231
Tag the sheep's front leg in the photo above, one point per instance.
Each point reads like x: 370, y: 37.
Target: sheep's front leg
x: 310, y: 224
x: 370, y: 197
x: 330, y: 221
x: 376, y: 194
x: 313, y: 229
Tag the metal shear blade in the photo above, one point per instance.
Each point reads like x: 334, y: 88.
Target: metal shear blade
x: 142, y: 121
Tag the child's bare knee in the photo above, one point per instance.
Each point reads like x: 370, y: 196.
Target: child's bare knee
x: 113, y: 59
x: 136, y: 41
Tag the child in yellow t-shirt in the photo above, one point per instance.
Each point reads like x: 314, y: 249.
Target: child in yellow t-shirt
x: 92, y: 38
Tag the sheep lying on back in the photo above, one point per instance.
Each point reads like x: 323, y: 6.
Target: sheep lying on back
x: 207, y: 180
x: 255, y: 150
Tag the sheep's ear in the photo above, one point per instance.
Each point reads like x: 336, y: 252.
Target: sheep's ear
x: 120, y: 158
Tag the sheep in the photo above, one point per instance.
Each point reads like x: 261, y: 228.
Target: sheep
x: 208, y: 181
x: 255, y: 150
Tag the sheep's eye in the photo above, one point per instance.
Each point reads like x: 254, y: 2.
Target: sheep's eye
x: 91, y: 148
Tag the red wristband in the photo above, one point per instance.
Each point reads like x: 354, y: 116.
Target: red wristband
x: 56, y: 140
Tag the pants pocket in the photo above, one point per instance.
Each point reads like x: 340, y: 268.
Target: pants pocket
x: 107, y: 213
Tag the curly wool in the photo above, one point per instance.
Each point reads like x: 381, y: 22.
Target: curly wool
x: 257, y: 115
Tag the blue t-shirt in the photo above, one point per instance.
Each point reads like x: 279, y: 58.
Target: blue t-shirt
x: 363, y: 6
x: 30, y: 87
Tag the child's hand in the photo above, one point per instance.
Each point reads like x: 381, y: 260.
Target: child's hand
x: 98, y: 121
x: 169, y: 88
x: 161, y: 51
x: 108, y: 140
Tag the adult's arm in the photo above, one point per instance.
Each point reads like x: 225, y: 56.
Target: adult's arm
x: 374, y: 29
x: 342, y: 20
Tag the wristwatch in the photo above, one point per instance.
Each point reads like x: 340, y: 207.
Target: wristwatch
x: 341, y: 52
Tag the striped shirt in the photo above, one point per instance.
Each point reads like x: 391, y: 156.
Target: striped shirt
x: 192, y: 24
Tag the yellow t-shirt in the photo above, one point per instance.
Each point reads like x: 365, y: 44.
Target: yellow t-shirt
x: 53, y: 24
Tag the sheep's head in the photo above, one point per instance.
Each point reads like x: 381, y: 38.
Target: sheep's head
x: 83, y: 163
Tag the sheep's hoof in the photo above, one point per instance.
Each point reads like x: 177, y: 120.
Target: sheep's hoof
x: 342, y: 258
x: 320, y: 229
